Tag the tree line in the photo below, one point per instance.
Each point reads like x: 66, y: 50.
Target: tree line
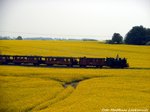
x: 8, y: 38
x: 138, y: 35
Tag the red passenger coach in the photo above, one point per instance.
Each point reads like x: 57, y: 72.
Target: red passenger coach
x: 5, y: 59
x: 69, y: 61
x: 26, y: 60
x: 97, y: 62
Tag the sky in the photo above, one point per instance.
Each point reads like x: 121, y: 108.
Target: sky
x: 97, y: 19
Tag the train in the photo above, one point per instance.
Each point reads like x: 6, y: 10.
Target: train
x: 55, y: 61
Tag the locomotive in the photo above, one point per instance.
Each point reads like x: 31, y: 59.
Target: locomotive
x: 64, y: 61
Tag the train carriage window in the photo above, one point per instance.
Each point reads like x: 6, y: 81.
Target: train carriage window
x: 11, y: 57
x: 68, y: 59
x: 43, y: 59
x: 78, y: 60
x: 29, y: 58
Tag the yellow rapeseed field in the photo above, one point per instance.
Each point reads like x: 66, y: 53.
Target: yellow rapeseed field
x: 47, y: 89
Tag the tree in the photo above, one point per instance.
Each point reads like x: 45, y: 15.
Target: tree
x: 19, y: 38
x: 148, y: 43
x: 117, y: 38
x: 108, y: 42
x: 5, y: 38
x: 137, y: 35
x: 147, y: 35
